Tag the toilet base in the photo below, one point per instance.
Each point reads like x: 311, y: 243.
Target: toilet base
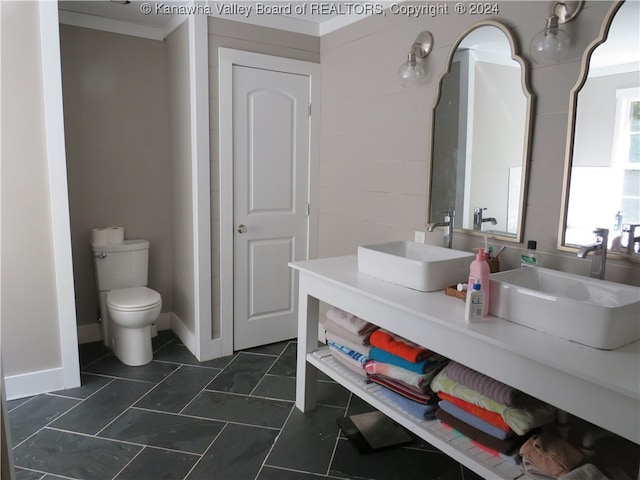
x: 132, y: 346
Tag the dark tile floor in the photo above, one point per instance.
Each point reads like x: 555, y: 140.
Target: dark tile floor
x: 177, y: 418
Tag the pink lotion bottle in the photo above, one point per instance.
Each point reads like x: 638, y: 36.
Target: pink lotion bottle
x: 479, y: 269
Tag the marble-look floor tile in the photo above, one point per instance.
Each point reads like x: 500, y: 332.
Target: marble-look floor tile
x: 178, y: 389
x: 74, y: 456
x: 22, y: 474
x: 397, y: 463
x: 90, y: 352
x: 164, y: 430
x: 237, y: 454
x: 312, y: 436
x: 271, y: 349
x: 31, y: 416
x: 229, y: 407
x: 164, y: 337
x: 95, y: 413
x: 287, y: 363
x: 152, y: 372
x: 174, y: 353
x: 11, y: 404
x: 89, y: 384
x: 156, y: 464
x: 242, y: 374
x: 284, y: 388
x: 273, y: 473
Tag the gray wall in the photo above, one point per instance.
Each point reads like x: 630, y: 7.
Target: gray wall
x: 375, y: 135
x: 117, y: 139
x: 252, y: 38
x: 28, y: 312
x: 181, y: 212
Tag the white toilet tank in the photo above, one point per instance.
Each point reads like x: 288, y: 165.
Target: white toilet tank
x: 121, y: 265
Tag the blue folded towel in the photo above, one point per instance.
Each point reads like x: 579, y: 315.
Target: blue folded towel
x: 471, y: 419
x: 419, y: 410
x: 357, y: 356
x: 386, y: 357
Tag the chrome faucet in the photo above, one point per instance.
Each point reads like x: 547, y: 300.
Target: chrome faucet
x: 447, y: 239
x: 630, y: 238
x: 599, y: 249
x: 478, y: 220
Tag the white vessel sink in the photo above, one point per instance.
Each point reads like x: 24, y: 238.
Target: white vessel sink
x: 592, y: 312
x: 415, y: 265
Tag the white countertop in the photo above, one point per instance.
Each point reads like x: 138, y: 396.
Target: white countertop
x: 582, y: 380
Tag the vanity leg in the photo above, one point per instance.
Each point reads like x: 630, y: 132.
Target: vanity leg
x: 308, y: 312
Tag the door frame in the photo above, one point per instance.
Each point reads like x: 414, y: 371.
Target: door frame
x: 227, y: 58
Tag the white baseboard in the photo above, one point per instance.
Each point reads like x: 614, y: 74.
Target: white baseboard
x: 34, y: 383
x: 92, y: 332
x: 183, y: 332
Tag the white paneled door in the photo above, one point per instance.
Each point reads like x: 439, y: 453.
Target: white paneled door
x: 270, y: 193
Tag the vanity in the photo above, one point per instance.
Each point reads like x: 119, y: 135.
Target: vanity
x: 601, y: 387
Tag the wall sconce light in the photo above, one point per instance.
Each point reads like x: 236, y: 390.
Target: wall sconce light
x: 553, y: 44
x: 412, y: 73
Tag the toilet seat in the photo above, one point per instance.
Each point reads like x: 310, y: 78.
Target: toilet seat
x: 133, y: 299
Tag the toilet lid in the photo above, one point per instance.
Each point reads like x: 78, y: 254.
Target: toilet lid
x: 136, y: 298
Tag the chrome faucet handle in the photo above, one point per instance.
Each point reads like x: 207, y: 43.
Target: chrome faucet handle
x: 450, y: 215
x: 602, y: 235
x: 629, y: 232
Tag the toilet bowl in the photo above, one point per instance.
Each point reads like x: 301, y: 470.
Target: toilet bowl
x: 132, y: 311
x: 127, y: 307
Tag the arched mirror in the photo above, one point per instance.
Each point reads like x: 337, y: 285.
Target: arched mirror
x: 481, y: 131
x: 602, y: 175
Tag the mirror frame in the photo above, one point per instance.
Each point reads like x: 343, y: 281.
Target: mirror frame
x: 571, y: 128
x: 528, y: 134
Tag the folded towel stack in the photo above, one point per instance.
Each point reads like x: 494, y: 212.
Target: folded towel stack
x: 406, y: 369
x: 549, y: 455
x: 348, y: 339
x: 486, y: 410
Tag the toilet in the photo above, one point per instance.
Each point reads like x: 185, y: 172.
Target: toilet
x: 127, y: 307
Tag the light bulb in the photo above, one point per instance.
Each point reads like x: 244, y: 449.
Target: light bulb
x: 411, y: 73
x: 551, y: 45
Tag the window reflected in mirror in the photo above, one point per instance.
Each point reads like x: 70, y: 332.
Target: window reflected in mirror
x: 604, y: 188
x: 481, y: 135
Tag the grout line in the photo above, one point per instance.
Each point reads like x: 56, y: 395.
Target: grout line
x: 181, y: 412
x: 157, y: 384
x: 127, y: 442
x: 287, y: 469
x: 335, y: 445
x: 130, y: 462
x: 205, y: 367
x: 275, y: 440
x: 218, y: 420
x: 270, y: 367
x: 206, y: 451
x: 80, y: 402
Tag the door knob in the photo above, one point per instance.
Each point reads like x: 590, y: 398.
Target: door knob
x: 241, y: 229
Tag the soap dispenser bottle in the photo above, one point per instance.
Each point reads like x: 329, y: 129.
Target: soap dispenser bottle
x: 479, y: 273
x: 474, y: 308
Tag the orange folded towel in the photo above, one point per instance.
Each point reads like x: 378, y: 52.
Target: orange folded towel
x: 392, y: 344
x: 488, y: 416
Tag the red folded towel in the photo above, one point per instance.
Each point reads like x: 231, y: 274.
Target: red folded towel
x: 488, y: 416
x: 389, y: 343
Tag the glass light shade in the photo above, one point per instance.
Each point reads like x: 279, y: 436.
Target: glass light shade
x: 551, y: 45
x: 411, y: 73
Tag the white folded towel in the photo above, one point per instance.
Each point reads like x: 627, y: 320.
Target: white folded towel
x: 350, y: 322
